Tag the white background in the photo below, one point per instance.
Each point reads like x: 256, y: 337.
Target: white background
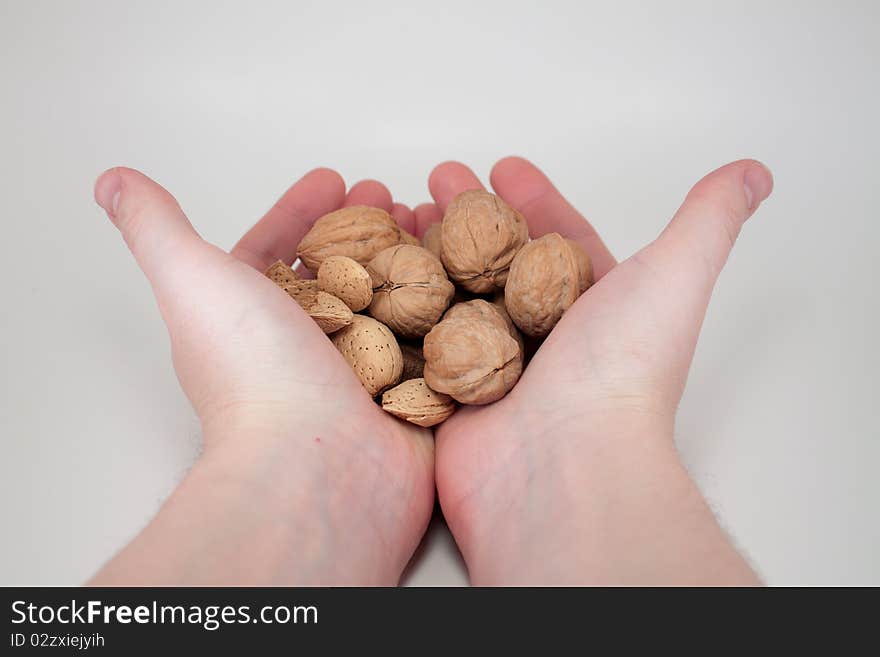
x: 624, y: 105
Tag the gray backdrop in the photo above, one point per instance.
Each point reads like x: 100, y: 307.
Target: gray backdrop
x: 625, y: 105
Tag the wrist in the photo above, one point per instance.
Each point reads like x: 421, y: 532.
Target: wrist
x: 554, y: 488
x: 324, y: 496
x: 270, y: 505
x: 596, y: 494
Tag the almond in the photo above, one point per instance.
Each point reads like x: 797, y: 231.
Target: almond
x: 345, y: 278
x: 371, y: 350
x: 329, y: 312
x: 415, y: 402
x: 281, y: 274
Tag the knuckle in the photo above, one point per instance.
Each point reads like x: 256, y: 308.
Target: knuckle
x: 144, y: 216
x: 132, y: 224
x: 729, y: 217
x: 726, y: 212
x: 726, y: 197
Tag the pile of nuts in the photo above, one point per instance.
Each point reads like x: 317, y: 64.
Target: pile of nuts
x: 442, y: 321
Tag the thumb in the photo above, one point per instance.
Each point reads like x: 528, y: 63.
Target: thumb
x: 156, y: 230
x: 690, y: 253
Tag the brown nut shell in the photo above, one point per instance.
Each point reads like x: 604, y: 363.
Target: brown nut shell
x: 329, y: 312
x: 410, y: 289
x: 431, y: 239
x: 585, y: 265
x: 544, y: 281
x: 479, y: 237
x: 371, y: 350
x: 481, y: 310
x: 358, y: 232
x: 304, y: 291
x: 407, y: 237
x: 347, y: 279
x: 415, y: 402
x: 476, y: 362
x: 281, y: 274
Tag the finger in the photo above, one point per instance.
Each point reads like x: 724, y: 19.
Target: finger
x: 694, y: 247
x: 425, y: 215
x: 525, y: 187
x: 370, y: 192
x: 404, y: 217
x: 450, y: 179
x: 156, y: 230
x: 277, y: 234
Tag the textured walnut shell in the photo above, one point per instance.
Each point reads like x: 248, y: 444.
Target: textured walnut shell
x: 407, y: 237
x: 410, y: 289
x: 345, y: 278
x: 358, y: 232
x: 476, y: 362
x: 431, y: 239
x: 413, y: 361
x: 498, y: 303
x: 371, y: 350
x: 543, y: 283
x: 415, y: 402
x: 479, y: 237
x: 329, y: 312
x: 585, y: 265
x: 281, y: 274
x: 481, y: 310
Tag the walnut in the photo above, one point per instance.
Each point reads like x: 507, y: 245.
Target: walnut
x: 481, y: 310
x: 431, y: 239
x: 358, y: 232
x: 407, y: 237
x: 479, y: 237
x: 410, y: 289
x: 474, y: 361
x: 544, y: 281
x: 585, y: 265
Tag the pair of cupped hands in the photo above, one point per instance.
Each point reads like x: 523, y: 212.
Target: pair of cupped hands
x: 573, y: 477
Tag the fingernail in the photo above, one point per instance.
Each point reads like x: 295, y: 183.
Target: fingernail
x: 107, y: 190
x: 758, y: 183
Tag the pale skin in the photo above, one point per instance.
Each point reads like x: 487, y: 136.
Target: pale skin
x: 304, y: 480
